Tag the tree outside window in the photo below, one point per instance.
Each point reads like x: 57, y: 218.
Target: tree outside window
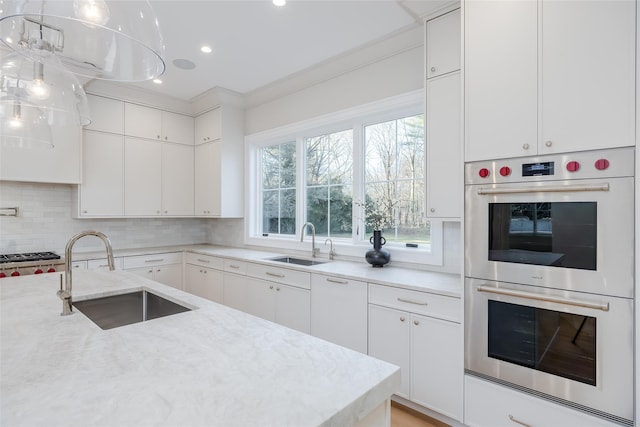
x: 279, y: 189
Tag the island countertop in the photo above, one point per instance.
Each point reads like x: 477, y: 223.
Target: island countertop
x: 210, y: 366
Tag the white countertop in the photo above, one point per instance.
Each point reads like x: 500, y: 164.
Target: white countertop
x: 210, y: 366
x: 445, y: 284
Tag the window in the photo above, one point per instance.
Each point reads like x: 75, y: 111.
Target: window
x: 345, y: 173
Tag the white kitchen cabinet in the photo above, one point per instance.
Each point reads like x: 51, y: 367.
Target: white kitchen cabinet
x: 219, y: 163
x: 159, y: 125
x: 165, y: 268
x: 339, y: 311
x: 501, y: 68
x: 204, y: 276
x: 177, y: 179
x: 101, y: 192
x: 107, y: 115
x: 491, y: 405
x: 573, y: 68
x: 208, y: 126
x: 443, y: 44
x: 235, y: 291
x: 427, y: 328
x: 142, y: 177
x: 444, y: 146
x: 103, y: 263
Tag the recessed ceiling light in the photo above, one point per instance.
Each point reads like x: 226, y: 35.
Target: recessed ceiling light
x: 157, y: 81
x: 205, y: 49
x: 279, y: 3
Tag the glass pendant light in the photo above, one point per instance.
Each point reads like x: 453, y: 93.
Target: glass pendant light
x: 110, y: 40
x: 36, y: 100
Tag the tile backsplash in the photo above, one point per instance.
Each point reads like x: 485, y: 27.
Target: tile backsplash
x: 44, y: 223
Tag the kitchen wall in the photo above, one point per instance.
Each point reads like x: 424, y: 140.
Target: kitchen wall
x: 45, y: 223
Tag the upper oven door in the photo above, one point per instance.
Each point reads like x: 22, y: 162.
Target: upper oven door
x: 573, y: 235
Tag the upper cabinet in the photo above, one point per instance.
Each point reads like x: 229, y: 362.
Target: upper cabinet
x: 442, y: 120
x: 443, y: 44
x: 151, y: 123
x: 562, y: 83
x: 107, y: 115
x: 219, y: 164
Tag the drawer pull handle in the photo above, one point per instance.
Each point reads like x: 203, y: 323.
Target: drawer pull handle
x: 204, y: 260
x: 154, y: 260
x: 274, y: 274
x: 515, y: 420
x: 402, y: 319
x: 341, y: 282
x: 412, y: 302
x: 234, y: 266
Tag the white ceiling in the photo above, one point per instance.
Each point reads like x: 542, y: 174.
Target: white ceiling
x: 256, y: 43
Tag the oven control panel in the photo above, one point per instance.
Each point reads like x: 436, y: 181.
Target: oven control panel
x: 610, y: 163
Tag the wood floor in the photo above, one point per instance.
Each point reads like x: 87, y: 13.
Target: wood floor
x: 401, y: 416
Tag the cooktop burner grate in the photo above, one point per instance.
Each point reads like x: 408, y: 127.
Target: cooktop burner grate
x: 29, y: 256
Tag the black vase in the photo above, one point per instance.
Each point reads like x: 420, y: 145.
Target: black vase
x: 377, y: 256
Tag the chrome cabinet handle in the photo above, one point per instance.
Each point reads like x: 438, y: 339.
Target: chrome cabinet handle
x: 433, y: 69
x: 545, y: 189
x: 277, y: 289
x: 416, y: 322
x: 234, y: 266
x: 154, y: 260
x: 204, y: 260
x: 548, y: 144
x: 271, y: 287
x: 525, y: 146
x: 546, y: 298
x: 412, y: 302
x: 402, y: 319
x: 341, y: 282
x: 515, y: 420
x: 274, y: 274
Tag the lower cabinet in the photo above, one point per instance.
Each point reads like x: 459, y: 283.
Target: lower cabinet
x: 286, y: 305
x: 491, y: 405
x: 339, y: 311
x: 421, y: 333
x: 204, y: 282
x: 165, y: 268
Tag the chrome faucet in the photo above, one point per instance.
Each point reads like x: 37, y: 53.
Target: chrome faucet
x: 332, y: 252
x: 314, y: 250
x: 65, y: 295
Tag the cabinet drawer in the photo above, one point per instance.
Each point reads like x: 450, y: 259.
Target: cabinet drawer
x: 489, y: 405
x: 447, y: 308
x: 152, y: 259
x: 235, y: 266
x: 103, y: 263
x: 204, y: 260
x: 300, y: 279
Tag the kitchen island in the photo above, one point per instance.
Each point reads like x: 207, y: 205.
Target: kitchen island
x: 211, y: 366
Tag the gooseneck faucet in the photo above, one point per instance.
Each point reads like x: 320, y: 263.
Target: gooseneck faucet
x: 314, y: 250
x: 65, y: 295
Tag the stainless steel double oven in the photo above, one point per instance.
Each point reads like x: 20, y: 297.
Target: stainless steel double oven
x: 549, y: 283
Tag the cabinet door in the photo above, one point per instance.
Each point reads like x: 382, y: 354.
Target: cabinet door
x: 107, y: 115
x: 444, y: 147
x: 204, y: 282
x: 293, y: 307
x: 146, y: 272
x: 443, y: 44
x: 207, y: 179
x: 142, y: 177
x: 170, y: 275
x: 177, y: 128
x: 142, y: 122
x: 437, y: 365
x: 103, y: 171
x: 339, y: 311
x: 261, y: 298
x: 177, y: 179
x: 588, y: 75
x: 235, y: 291
x: 208, y: 126
x: 389, y: 340
x: 501, y: 70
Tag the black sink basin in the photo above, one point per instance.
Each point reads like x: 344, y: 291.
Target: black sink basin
x: 125, y: 309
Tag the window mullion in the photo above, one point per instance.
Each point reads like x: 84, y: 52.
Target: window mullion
x: 358, y: 189
x: 301, y: 184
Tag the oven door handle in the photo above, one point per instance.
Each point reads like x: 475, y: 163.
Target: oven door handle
x: 545, y: 189
x: 546, y: 298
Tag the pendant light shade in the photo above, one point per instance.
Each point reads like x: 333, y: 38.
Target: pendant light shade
x: 110, y: 40
x: 36, y: 100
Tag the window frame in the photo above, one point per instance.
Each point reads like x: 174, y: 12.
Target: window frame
x: 354, y: 118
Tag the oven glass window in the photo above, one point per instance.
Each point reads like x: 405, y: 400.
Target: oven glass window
x: 557, y: 234
x: 558, y: 343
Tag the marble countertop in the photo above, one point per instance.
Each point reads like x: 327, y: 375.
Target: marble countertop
x: 209, y: 366
x: 445, y: 284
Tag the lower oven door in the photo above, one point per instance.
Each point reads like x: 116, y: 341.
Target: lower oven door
x: 572, y: 347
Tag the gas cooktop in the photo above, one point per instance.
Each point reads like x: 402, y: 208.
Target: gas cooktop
x: 26, y: 257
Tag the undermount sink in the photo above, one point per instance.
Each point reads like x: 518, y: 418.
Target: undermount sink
x: 124, y: 309
x: 298, y: 261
